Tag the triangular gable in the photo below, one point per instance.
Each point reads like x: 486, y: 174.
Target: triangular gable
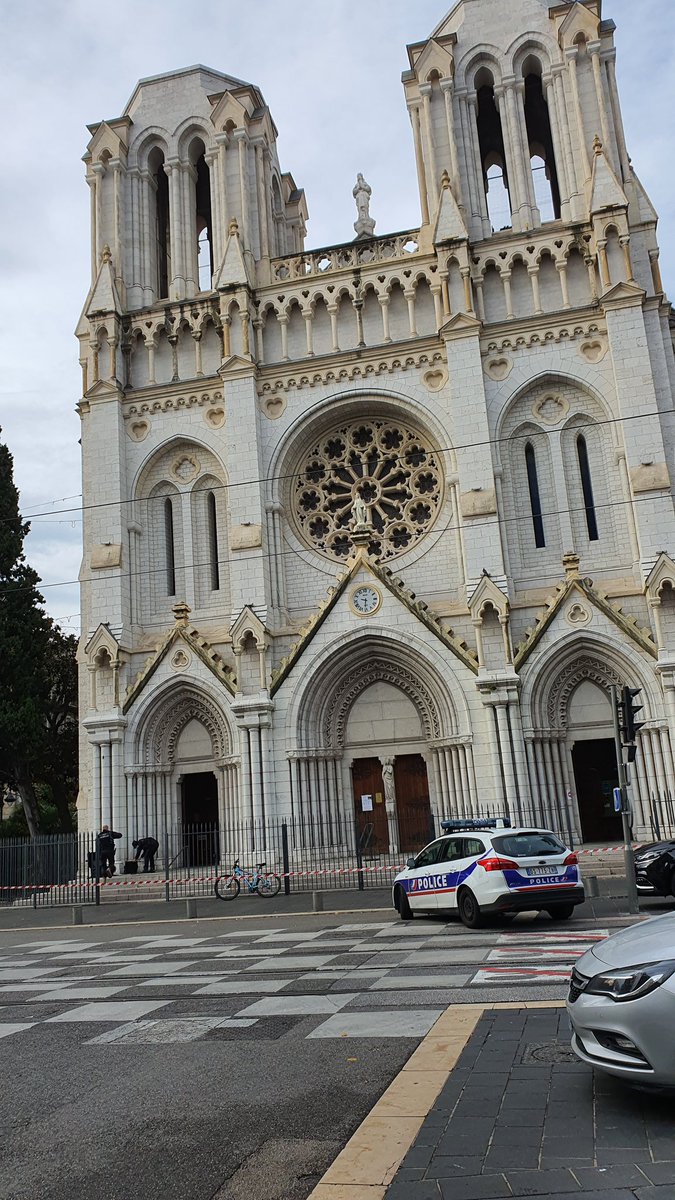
x: 197, y: 644
x: 606, y: 191
x: 661, y: 573
x: 361, y: 560
x: 486, y: 593
x: 450, y: 226
x: 235, y: 365
x: 461, y: 325
x: 582, y: 16
x: 109, y: 136
x: 103, y: 389
x: 584, y: 587
x: 623, y: 294
x: 433, y: 57
x: 102, y: 638
x: 248, y: 622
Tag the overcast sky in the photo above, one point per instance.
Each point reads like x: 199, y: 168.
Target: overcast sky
x: 330, y: 72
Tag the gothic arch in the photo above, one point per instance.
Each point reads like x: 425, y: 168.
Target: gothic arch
x: 178, y: 442
x: 328, y: 695
x: 160, y: 729
x: 551, y: 681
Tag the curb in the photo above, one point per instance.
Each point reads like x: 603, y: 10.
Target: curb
x: 369, y: 1162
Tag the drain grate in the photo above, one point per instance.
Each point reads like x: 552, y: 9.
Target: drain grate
x: 548, y: 1052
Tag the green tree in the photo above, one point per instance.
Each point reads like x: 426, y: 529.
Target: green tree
x: 58, y: 767
x: 25, y: 643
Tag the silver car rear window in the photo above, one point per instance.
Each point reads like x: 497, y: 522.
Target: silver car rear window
x: 528, y: 845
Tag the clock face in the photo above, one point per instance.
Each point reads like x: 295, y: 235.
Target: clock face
x: 366, y: 600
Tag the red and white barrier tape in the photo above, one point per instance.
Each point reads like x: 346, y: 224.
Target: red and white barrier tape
x: 160, y: 881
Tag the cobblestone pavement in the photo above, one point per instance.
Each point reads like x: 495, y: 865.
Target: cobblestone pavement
x: 519, y: 1116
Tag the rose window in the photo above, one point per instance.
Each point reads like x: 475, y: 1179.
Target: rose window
x: 378, y: 470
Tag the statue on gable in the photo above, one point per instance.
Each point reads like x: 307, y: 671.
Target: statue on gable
x: 364, y: 224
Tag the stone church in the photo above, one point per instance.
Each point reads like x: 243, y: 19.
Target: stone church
x: 371, y: 530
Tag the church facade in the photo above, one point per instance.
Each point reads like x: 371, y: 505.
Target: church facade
x: 372, y: 530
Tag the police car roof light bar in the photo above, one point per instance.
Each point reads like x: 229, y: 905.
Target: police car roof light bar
x: 459, y: 826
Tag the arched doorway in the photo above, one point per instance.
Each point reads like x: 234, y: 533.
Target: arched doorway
x: 571, y: 753
x: 185, y: 783
x: 377, y: 733
x: 591, y: 741
x: 384, y: 739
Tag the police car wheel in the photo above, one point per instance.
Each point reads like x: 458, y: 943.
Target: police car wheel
x: 404, y: 910
x: 469, y: 909
x: 561, y: 912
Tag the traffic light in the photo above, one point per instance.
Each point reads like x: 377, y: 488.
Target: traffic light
x: 628, y: 711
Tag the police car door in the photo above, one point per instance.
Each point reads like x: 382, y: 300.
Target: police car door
x: 421, y: 879
x: 453, y: 854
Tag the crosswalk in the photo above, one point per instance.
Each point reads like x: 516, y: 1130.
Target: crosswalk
x: 368, y: 979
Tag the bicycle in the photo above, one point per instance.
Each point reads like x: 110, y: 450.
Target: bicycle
x: 228, y: 887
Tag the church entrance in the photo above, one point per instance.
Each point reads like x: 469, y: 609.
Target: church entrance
x: 408, y: 826
x: 596, y: 776
x: 199, y: 808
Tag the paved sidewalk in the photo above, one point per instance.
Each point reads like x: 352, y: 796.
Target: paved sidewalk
x: 519, y: 1116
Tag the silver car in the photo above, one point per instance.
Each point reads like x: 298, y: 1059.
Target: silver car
x: 622, y: 1004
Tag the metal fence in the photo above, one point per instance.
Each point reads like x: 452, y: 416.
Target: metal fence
x: 50, y: 869
x: 314, y: 855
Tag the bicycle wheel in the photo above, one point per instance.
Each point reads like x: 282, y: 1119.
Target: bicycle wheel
x: 269, y: 885
x: 227, y: 887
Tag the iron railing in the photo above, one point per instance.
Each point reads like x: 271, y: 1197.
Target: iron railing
x: 329, y: 853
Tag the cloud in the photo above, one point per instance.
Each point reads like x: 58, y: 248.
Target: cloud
x: 330, y: 71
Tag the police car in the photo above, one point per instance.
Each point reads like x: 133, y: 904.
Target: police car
x: 483, y: 867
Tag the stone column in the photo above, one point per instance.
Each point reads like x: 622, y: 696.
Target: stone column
x: 241, y: 138
x: 558, y: 147
x: 419, y: 160
x: 425, y: 93
x: 106, y: 785
x: 447, y: 88
x: 389, y: 785
x: 572, y: 54
x: 594, y: 51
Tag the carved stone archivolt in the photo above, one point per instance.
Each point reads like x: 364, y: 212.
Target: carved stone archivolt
x: 376, y: 670
x: 385, y: 465
x: 568, y: 680
x: 163, y: 731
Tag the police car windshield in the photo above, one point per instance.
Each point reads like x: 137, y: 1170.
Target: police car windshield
x: 528, y: 845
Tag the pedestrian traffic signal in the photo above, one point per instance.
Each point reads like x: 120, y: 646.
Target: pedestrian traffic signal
x: 628, y: 711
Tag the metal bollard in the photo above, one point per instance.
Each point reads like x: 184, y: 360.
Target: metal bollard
x: 317, y: 901
x: 191, y: 909
x: 77, y: 914
x: 592, y: 887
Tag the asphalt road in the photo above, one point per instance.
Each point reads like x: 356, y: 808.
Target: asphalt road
x: 296, y: 1025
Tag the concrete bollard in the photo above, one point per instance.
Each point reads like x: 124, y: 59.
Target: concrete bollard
x: 592, y: 887
x: 77, y: 914
x: 317, y: 901
x: 191, y: 909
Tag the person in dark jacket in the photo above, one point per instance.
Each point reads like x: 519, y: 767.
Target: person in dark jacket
x: 106, y: 850
x: 148, y: 847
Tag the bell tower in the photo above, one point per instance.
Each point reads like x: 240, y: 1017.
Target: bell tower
x: 516, y: 124
x: 193, y: 152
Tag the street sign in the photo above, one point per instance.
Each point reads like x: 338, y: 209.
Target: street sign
x: 617, y: 800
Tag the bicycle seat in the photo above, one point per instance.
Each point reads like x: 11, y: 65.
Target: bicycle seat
x: 260, y: 866
x: 236, y: 863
